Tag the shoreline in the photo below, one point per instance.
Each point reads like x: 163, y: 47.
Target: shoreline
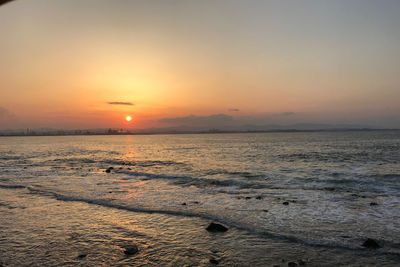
x: 68, y: 225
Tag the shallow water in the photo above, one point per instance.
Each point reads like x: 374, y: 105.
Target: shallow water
x: 165, y: 189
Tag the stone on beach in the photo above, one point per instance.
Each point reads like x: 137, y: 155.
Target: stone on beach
x: 216, y: 227
x: 131, y: 250
x: 81, y: 256
x: 109, y: 169
x: 285, y: 203
x: 370, y: 243
x: 214, y: 261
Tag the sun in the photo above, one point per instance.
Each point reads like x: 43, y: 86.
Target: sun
x: 128, y: 118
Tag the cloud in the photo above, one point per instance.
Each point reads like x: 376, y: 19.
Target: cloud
x: 233, y: 109
x: 120, y: 103
x: 209, y: 121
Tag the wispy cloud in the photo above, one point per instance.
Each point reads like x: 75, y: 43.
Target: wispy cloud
x: 120, y: 103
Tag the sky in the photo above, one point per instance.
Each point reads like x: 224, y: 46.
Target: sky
x: 80, y: 64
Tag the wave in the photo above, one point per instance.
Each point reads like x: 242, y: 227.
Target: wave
x: 200, y: 182
x: 263, y: 233
x: 388, y: 249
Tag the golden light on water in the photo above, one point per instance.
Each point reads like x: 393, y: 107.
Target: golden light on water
x: 128, y: 118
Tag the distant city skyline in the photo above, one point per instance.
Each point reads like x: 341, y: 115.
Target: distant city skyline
x: 87, y: 64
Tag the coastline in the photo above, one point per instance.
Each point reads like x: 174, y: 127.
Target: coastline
x: 73, y: 233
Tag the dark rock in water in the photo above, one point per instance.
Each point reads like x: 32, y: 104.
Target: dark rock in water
x: 216, y: 227
x: 276, y: 266
x: 259, y: 197
x: 285, y: 203
x: 248, y: 197
x: 373, y: 204
x: 370, y: 243
x: 109, y: 169
x: 265, y: 210
x: 292, y: 264
x: 183, y: 204
x: 81, y: 256
x: 301, y: 262
x: 293, y: 201
x: 214, y: 261
x: 195, y: 202
x: 131, y: 250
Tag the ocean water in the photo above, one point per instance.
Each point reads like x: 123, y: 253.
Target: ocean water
x: 59, y: 206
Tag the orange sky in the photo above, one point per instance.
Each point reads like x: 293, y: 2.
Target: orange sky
x: 62, y: 62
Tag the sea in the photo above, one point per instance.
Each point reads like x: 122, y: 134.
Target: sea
x: 304, y: 198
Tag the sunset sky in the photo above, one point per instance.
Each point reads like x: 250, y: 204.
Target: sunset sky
x: 89, y: 63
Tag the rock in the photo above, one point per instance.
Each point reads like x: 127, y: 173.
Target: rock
x: 265, y: 210
x: 214, y: 261
x: 216, y: 227
x: 373, y: 204
x: 276, y: 266
x: 259, y: 197
x: 285, y: 203
x: 183, y: 204
x: 195, y: 202
x: 81, y: 256
x: 131, y: 250
x: 109, y: 169
x: 248, y: 197
x: 292, y: 264
x: 370, y: 243
x: 301, y: 262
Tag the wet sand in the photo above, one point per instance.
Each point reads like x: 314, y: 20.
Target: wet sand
x: 38, y: 230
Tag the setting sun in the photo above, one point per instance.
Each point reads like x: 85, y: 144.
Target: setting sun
x: 128, y: 118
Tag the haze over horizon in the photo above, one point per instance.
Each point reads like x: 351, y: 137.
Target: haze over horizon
x: 90, y: 63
